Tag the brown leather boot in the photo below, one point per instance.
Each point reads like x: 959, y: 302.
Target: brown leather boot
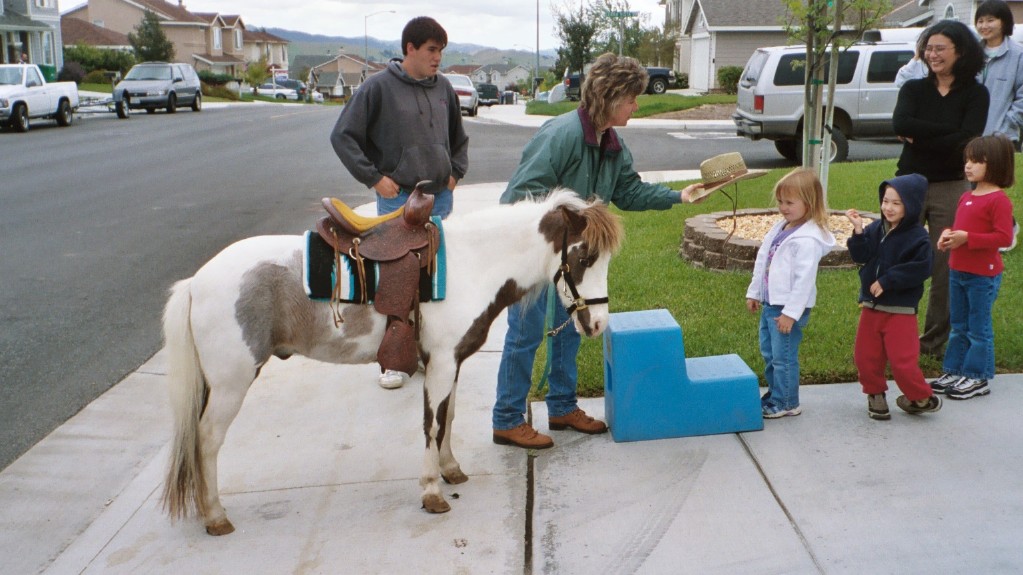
x: 579, y: 421
x: 523, y: 436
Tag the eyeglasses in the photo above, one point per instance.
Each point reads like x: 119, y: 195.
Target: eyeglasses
x: 936, y: 49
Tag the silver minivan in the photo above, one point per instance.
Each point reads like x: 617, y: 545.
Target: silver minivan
x: 770, y: 100
x: 153, y: 85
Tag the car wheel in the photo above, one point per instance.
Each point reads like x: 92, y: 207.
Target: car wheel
x: 19, y: 118
x: 64, y: 114
x: 658, y: 86
x: 150, y: 110
x: 197, y: 102
x: 839, y: 147
x: 123, y: 109
x: 280, y: 96
x: 172, y: 103
x: 787, y: 149
x: 474, y: 110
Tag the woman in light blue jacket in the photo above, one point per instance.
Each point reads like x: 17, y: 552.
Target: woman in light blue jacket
x: 1003, y: 70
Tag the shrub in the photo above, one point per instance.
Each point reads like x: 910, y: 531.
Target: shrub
x: 219, y: 91
x: 682, y: 80
x: 728, y: 78
x: 96, y: 77
x: 72, y: 72
x: 91, y: 58
x: 214, y: 79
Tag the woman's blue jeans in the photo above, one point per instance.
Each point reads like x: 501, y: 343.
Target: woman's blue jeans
x: 443, y: 202
x: 515, y: 374
x: 971, y: 344
x: 781, y: 359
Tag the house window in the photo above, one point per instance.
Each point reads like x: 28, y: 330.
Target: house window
x: 99, y: 23
x: 48, y: 48
x: 237, y: 39
x: 44, y: 3
x: 217, y: 41
x: 950, y: 12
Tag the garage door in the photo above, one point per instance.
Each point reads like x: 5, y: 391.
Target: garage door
x: 700, y: 70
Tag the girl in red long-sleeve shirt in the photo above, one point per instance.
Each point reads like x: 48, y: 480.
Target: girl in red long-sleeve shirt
x: 983, y: 223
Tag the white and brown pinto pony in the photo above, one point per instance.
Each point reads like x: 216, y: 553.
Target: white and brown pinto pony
x: 248, y: 303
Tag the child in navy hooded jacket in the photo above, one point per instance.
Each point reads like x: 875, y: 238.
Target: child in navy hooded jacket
x: 896, y: 257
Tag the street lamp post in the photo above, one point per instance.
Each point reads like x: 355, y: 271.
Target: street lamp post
x: 365, y: 41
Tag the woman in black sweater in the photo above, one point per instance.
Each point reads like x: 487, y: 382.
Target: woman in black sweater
x: 935, y: 117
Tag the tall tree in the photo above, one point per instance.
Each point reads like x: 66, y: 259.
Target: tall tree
x: 149, y: 42
x: 577, y: 32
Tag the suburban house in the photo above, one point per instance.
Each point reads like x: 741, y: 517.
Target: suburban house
x: 463, y: 69
x: 501, y: 75
x: 336, y: 76
x: 31, y: 27
x: 716, y: 33
x: 210, y: 41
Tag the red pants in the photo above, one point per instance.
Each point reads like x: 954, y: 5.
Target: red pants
x: 889, y: 337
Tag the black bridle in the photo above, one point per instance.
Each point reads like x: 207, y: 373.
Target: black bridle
x: 565, y: 271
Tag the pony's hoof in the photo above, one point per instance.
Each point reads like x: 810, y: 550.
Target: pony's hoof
x: 222, y: 527
x: 435, y: 504
x: 455, y: 477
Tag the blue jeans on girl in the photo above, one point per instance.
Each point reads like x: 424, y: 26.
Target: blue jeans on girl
x: 781, y: 359
x: 971, y: 344
x: 515, y: 374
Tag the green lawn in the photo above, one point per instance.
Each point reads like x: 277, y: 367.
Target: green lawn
x: 710, y: 306
x: 649, y: 105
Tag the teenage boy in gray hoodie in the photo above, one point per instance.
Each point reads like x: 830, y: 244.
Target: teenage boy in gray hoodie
x: 402, y: 126
x: 896, y: 255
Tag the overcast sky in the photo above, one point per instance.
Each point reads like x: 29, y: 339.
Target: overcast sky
x: 497, y: 23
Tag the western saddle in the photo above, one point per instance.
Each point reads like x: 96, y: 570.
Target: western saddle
x: 403, y: 244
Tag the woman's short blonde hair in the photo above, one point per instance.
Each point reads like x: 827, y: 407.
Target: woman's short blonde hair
x: 804, y: 184
x: 611, y: 80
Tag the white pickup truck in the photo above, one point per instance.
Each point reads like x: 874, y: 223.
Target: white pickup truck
x: 24, y: 94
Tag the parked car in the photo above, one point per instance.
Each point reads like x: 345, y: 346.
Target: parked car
x: 770, y: 99
x: 25, y: 94
x: 296, y: 85
x: 275, y: 91
x: 468, y: 97
x: 489, y: 95
x: 660, y: 79
x: 152, y: 85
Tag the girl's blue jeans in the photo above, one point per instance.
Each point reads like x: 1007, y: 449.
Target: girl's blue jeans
x: 971, y: 344
x: 781, y: 359
x: 515, y: 374
x: 443, y: 202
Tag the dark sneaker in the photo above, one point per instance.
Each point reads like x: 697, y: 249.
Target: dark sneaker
x: 877, y: 407
x: 944, y: 382
x: 968, y: 387
x: 523, y: 436
x: 929, y: 405
x: 779, y: 413
x: 577, y: 420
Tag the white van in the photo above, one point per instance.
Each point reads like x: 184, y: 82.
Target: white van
x: 770, y: 100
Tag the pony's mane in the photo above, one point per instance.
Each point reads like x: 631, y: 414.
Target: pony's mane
x: 604, y: 231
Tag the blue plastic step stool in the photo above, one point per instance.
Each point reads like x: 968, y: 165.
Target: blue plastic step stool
x: 651, y: 391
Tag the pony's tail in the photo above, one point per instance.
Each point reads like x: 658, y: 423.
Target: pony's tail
x: 185, y: 487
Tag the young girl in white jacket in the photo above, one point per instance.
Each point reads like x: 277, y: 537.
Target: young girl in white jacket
x: 784, y: 285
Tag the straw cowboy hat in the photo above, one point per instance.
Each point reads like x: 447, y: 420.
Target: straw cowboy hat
x: 720, y: 171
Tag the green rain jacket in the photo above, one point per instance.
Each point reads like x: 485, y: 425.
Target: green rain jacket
x: 566, y: 152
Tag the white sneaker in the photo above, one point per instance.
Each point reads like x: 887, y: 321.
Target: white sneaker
x: 391, y: 379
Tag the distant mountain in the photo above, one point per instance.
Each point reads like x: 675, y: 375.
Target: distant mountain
x: 303, y: 43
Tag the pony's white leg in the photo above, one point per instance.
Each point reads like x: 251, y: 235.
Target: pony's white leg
x: 438, y: 400
x: 450, y: 471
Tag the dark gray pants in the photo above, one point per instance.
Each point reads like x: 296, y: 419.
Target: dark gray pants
x: 939, y: 213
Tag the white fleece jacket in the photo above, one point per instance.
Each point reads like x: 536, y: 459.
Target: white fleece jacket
x: 792, y: 282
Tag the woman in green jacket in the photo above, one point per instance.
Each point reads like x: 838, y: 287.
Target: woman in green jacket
x: 579, y: 150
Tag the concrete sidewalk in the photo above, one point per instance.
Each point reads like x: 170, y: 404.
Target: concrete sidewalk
x: 320, y: 475
x: 516, y: 114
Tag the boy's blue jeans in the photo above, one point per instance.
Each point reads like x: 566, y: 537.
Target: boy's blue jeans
x: 515, y: 374
x: 971, y: 344
x: 781, y: 359
x: 443, y: 202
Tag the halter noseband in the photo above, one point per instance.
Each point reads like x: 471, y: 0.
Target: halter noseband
x: 564, y: 271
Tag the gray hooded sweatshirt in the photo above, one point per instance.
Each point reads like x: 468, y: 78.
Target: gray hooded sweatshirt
x: 407, y: 129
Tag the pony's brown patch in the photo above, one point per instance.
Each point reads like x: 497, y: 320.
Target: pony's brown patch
x: 476, y: 335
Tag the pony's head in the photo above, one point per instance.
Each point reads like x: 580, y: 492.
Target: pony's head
x: 585, y: 234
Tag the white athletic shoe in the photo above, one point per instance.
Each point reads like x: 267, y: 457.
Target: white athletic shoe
x: 393, y: 379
